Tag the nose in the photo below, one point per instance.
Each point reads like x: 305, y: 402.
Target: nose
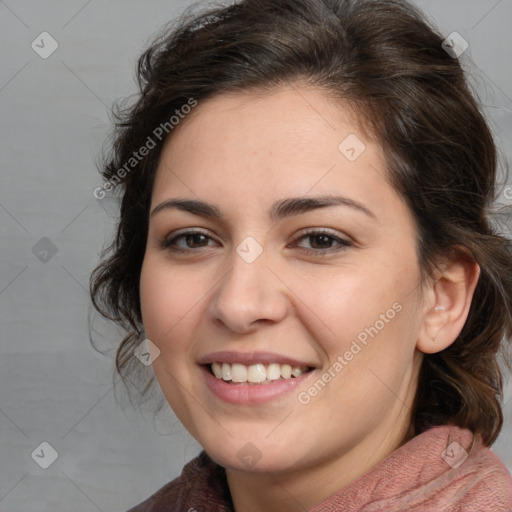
x: 249, y: 295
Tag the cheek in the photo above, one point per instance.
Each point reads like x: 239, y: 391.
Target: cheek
x: 367, y: 315
x: 349, y: 302
x: 167, y: 301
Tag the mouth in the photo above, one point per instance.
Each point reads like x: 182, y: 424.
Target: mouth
x: 256, y: 377
x: 255, y: 374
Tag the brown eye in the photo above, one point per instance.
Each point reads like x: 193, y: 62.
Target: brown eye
x: 186, y: 241
x: 322, y: 241
x: 197, y: 239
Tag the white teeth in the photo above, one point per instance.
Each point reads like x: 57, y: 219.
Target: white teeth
x: 296, y: 371
x: 226, y: 371
x: 286, y: 371
x: 273, y: 371
x: 217, y: 370
x: 255, y: 373
x: 238, y: 373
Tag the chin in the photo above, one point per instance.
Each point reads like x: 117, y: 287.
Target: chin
x: 253, y: 457
x: 261, y: 466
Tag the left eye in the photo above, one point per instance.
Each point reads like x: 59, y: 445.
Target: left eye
x: 323, y: 241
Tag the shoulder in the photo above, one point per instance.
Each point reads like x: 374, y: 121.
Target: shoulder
x: 488, y: 483
x: 468, y: 476
x: 444, y: 469
x: 201, y: 484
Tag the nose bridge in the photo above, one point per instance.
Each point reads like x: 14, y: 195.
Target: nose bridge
x: 249, y: 291
x: 248, y: 268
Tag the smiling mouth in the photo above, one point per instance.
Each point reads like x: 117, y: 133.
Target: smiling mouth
x: 255, y: 373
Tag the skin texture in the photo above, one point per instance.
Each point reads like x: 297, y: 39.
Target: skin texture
x: 242, y: 152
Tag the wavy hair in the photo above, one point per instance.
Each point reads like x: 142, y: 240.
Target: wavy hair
x: 383, y: 59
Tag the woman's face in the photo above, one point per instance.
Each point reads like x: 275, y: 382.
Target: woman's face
x: 305, y: 256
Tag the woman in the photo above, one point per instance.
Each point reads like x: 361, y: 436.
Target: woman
x: 305, y: 246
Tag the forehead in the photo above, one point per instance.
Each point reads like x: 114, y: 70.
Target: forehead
x: 276, y: 120
x: 265, y: 146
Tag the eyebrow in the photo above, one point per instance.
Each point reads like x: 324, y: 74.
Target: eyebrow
x: 279, y: 210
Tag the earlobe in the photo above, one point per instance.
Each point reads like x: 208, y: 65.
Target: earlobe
x: 450, y: 299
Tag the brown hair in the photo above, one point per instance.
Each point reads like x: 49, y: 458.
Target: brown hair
x: 383, y: 59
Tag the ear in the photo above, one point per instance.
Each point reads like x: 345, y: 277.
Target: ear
x: 447, y: 303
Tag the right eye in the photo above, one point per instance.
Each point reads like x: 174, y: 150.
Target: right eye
x: 186, y: 241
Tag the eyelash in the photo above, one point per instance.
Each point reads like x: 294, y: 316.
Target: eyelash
x: 168, y: 243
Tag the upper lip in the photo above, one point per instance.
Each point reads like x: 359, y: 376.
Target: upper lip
x: 249, y: 358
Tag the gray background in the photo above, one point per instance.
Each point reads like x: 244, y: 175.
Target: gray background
x: 53, y: 386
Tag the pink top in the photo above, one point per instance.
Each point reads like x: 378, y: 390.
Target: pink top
x: 434, y: 472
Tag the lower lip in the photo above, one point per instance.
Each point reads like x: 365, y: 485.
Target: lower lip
x: 249, y: 394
